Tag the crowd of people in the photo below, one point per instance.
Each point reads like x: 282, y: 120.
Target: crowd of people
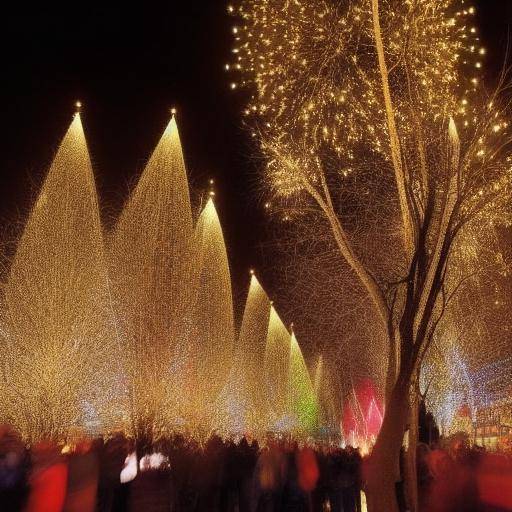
x: 179, y: 474
x: 457, y: 477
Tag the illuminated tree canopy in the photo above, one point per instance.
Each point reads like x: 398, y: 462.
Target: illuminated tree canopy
x: 372, y: 119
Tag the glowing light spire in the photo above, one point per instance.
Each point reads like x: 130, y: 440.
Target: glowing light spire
x: 246, y: 400
x: 152, y: 268
x: 214, y: 344
x: 276, y: 367
x: 60, y: 337
x: 329, y: 400
x: 301, y: 394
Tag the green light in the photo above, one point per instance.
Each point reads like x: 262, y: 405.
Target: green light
x: 302, y: 399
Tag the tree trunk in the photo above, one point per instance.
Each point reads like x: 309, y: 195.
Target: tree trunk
x: 383, y: 470
x: 392, y: 366
x: 411, y: 475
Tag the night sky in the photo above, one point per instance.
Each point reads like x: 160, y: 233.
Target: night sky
x: 129, y: 66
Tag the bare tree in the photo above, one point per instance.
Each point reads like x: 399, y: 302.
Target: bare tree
x: 370, y: 113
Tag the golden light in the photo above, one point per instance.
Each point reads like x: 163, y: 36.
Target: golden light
x: 63, y: 345
x: 143, y: 320
x: 316, y: 80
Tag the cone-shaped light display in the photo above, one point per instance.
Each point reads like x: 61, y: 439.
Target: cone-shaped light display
x: 213, y: 345
x: 244, y: 394
x: 329, y: 408
x: 301, y: 395
x: 153, y: 274
x: 60, y: 335
x: 276, y: 368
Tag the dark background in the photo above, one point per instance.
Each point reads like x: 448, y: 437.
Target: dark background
x: 129, y: 66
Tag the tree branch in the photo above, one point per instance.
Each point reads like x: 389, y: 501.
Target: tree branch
x: 394, y: 140
x: 345, y: 247
x: 450, y: 201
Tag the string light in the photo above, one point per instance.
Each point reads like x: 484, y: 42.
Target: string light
x: 61, y: 368
x: 138, y: 333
